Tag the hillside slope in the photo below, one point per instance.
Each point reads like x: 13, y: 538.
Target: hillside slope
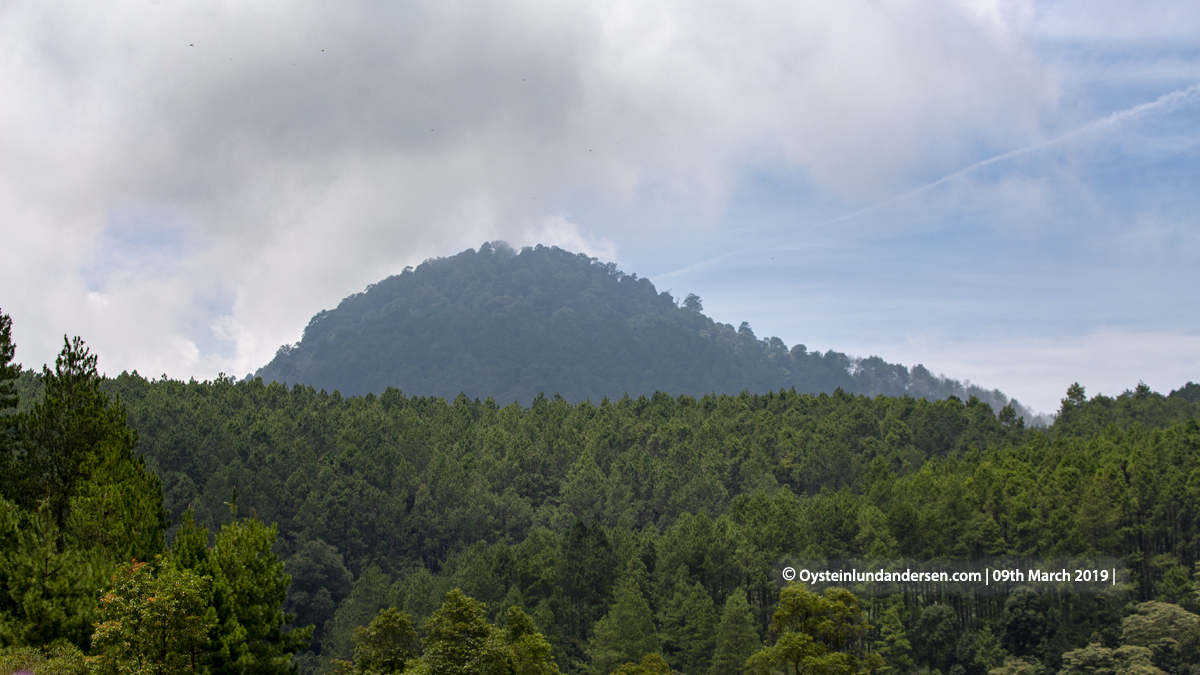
x: 510, y: 325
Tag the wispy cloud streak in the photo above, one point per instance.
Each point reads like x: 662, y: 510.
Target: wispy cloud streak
x: 1095, y: 126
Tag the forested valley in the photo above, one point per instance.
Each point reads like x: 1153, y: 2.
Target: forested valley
x: 159, y: 526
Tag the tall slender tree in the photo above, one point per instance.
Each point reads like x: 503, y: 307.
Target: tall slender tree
x: 626, y: 633
x: 736, y: 639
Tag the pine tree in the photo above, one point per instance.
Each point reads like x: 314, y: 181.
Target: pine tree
x: 9, y: 371
x: 896, y: 648
x: 736, y: 639
x: 690, y: 622
x: 249, y: 589
x: 75, y: 454
x: 626, y: 633
x: 49, y: 591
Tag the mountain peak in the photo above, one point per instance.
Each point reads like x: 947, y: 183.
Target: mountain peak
x: 512, y: 324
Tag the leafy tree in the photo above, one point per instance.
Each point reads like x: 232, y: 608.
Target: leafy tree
x: 383, y: 647
x: 816, y: 635
x: 936, y: 631
x: 155, y: 619
x: 530, y: 652
x: 736, y: 640
x: 368, y: 597
x: 651, y: 664
x: 1098, y: 660
x: 460, y: 641
x: 61, y: 659
x: 626, y: 633
x: 1171, y: 633
x: 1014, y: 665
x: 1023, y: 622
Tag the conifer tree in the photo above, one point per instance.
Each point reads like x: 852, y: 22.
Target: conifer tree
x: 249, y: 588
x: 75, y: 455
x: 896, y: 649
x: 736, y: 638
x: 689, y: 625
x: 9, y: 371
x: 626, y: 633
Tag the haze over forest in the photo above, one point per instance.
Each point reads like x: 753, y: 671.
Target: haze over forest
x: 514, y: 325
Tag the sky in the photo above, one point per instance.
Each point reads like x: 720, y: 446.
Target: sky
x: 1002, y: 190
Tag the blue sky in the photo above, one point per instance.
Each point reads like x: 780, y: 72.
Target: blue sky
x: 1002, y: 190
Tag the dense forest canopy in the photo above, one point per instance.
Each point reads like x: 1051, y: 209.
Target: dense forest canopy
x: 294, y: 528
x: 510, y: 325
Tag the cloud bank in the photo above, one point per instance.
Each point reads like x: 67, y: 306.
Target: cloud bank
x: 186, y: 183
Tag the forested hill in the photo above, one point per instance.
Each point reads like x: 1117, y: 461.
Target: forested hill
x: 510, y: 325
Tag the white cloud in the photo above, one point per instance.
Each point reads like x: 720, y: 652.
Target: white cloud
x: 1037, y: 370
x: 290, y: 153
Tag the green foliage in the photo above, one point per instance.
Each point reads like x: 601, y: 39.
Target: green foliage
x: 9, y: 371
x: 249, y: 589
x: 320, y: 581
x: 736, y: 640
x: 72, y: 458
x: 439, y: 494
x: 626, y: 633
x: 58, y: 440
x: 651, y: 664
x: 935, y: 633
x: 369, y: 595
x: 529, y: 649
x: 61, y: 659
x: 1024, y: 622
x: 816, y: 635
x: 383, y: 647
x: 460, y: 641
x: 895, y: 649
x: 155, y: 620
x: 692, y: 503
x: 1098, y: 660
x: 49, y: 591
x: 1171, y: 633
x: 689, y: 627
